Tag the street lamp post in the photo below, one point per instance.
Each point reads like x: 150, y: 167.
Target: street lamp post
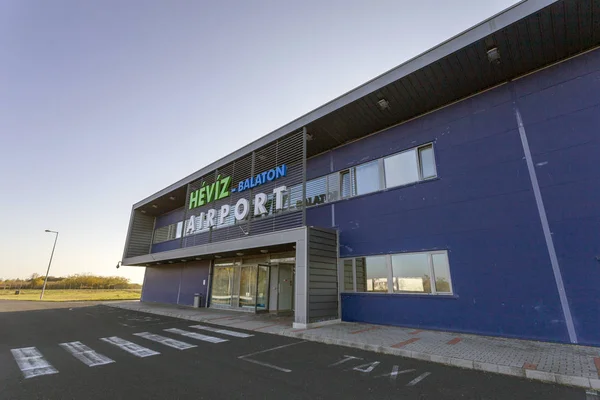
x: 50, y: 263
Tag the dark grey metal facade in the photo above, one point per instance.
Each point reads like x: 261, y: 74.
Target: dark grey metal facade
x: 322, y: 274
x: 140, y: 235
x: 289, y: 151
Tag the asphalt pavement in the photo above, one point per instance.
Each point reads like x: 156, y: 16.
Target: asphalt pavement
x: 96, y: 352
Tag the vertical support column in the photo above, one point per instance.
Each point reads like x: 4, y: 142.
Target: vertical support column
x: 186, y: 208
x: 250, y: 200
x: 301, y: 283
x: 304, y: 176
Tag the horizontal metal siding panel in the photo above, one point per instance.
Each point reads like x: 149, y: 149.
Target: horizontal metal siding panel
x: 326, y: 247
x: 323, y: 292
x: 323, y: 278
x: 330, y: 305
x: 140, y: 237
x: 322, y: 264
x: 325, y: 239
x: 321, y: 271
x: 316, y: 315
x: 325, y: 298
x: 325, y: 254
x: 314, y: 284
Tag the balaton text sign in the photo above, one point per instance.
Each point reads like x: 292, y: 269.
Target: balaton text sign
x: 221, y: 188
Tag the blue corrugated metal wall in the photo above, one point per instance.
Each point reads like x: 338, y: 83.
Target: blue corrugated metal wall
x: 482, y: 209
x: 561, y: 113
x: 176, y: 283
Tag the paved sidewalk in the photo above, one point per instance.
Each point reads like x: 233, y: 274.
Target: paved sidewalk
x: 551, y: 362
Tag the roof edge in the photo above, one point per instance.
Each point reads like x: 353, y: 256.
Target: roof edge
x: 479, y: 31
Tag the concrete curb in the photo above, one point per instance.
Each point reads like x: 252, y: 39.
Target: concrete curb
x: 548, y: 377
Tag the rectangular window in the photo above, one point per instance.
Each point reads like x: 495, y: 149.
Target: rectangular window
x: 411, y: 273
x: 424, y: 272
x: 367, y: 178
x: 293, y: 198
x: 427, y: 162
x: 348, y: 276
x: 316, y: 191
x: 441, y: 272
x: 377, y: 274
x: 333, y: 187
x: 346, y: 185
x: 401, y: 169
x: 361, y: 276
x: 161, y: 234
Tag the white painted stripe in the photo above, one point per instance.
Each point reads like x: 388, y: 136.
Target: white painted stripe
x: 395, y: 372
x: 86, y: 355
x: 264, y: 364
x: 32, y: 363
x: 418, y: 379
x: 130, y: 347
x: 195, y: 335
x: 222, y: 331
x: 176, y: 344
x: 366, y: 368
x: 346, y: 358
x: 562, y: 295
x: 245, y: 358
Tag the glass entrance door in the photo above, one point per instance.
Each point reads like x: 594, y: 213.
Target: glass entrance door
x: 242, y: 287
x: 262, y: 292
x: 223, y: 285
x: 248, y: 287
x: 285, y: 299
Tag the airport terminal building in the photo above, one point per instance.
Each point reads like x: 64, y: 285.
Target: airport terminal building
x: 459, y: 191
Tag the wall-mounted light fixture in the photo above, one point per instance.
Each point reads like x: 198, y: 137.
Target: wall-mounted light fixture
x: 493, y: 55
x: 383, y: 104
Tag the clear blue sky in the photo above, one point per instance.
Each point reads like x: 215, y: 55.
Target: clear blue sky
x: 103, y: 103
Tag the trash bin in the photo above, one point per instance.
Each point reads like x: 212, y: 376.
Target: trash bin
x: 17, y: 291
x: 197, y: 300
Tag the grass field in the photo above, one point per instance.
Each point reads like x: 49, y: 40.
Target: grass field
x: 73, y: 294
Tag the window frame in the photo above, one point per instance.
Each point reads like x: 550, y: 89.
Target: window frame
x: 390, y: 271
x: 420, y: 162
x: 376, y: 162
x: 351, y: 171
x: 348, y: 172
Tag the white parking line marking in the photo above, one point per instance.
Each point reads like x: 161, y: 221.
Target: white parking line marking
x: 32, y: 363
x: 222, y: 331
x: 86, y: 355
x: 418, y: 379
x: 245, y: 357
x: 395, y: 372
x: 264, y: 364
x: 346, y: 358
x: 369, y: 367
x: 130, y: 347
x: 176, y: 344
x: 195, y: 335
